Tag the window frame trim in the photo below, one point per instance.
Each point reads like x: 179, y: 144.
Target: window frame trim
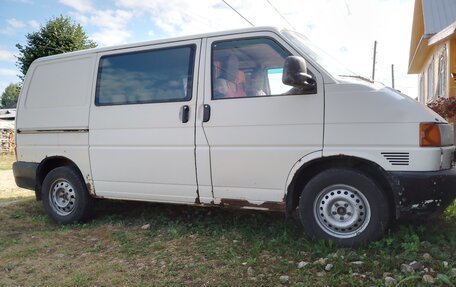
x: 191, y: 69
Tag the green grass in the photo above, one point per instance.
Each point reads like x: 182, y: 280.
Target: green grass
x: 6, y: 161
x: 191, y: 246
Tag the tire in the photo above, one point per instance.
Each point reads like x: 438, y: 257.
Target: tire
x: 344, y: 206
x: 65, y: 196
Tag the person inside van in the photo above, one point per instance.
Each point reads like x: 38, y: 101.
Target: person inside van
x: 255, y: 85
x: 231, y: 83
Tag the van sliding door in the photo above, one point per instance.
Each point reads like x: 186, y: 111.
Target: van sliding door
x: 142, y: 125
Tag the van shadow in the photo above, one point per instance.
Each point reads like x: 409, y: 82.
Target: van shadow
x: 253, y: 225
x: 199, y: 218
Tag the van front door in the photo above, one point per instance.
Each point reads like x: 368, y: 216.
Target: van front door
x: 142, y: 124
x: 258, y: 128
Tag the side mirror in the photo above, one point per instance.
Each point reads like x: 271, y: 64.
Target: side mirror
x: 295, y: 73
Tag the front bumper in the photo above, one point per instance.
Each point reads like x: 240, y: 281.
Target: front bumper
x: 423, y: 192
x: 25, y: 174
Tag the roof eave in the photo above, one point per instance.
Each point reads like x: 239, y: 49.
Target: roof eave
x: 418, y: 58
x: 447, y: 33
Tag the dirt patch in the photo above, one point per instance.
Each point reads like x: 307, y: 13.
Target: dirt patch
x: 11, y: 202
x: 8, y: 188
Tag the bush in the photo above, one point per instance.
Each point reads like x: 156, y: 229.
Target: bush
x: 445, y: 107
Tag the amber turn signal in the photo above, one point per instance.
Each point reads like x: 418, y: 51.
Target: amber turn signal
x: 430, y: 135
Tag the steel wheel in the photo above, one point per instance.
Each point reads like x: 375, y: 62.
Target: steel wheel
x: 62, y: 197
x: 65, y: 196
x: 342, y: 211
x: 344, y: 206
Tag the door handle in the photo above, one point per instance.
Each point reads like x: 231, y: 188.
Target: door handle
x: 185, y: 111
x: 206, y: 113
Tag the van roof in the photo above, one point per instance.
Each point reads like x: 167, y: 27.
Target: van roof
x: 164, y: 40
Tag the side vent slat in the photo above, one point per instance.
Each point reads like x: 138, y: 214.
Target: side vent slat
x: 397, y: 158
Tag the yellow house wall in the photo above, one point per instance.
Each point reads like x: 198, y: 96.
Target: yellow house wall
x: 452, y: 67
x: 417, y: 30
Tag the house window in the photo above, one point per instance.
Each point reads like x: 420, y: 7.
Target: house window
x: 430, y: 82
x: 442, y: 73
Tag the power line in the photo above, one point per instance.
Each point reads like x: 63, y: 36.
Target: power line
x: 280, y: 14
x: 238, y: 13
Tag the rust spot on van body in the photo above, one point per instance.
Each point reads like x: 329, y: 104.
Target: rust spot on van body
x: 240, y: 203
x: 197, y: 199
x: 90, y: 187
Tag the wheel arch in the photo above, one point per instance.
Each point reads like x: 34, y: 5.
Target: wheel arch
x: 311, y: 168
x: 48, y: 164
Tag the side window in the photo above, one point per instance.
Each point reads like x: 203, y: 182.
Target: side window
x: 275, y: 81
x: 248, y: 68
x: 163, y: 75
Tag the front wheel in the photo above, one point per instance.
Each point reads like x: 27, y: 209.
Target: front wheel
x: 65, y: 196
x: 345, y: 206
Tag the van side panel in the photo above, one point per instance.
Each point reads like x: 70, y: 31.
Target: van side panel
x: 53, y: 111
x: 58, y: 95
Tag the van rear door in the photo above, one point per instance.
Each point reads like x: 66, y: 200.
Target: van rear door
x: 142, y: 123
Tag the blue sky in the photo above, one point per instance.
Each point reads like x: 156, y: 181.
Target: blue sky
x: 344, y: 28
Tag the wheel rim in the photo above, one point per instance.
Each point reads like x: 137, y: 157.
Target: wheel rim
x: 62, y: 197
x: 342, y: 211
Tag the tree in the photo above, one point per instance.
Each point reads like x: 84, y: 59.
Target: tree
x: 10, y: 96
x: 59, y: 35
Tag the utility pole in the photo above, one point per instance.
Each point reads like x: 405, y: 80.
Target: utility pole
x: 373, y: 63
x: 392, y: 75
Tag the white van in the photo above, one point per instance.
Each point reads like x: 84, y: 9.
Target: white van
x: 257, y: 118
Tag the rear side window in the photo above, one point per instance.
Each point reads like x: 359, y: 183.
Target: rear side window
x: 153, y: 76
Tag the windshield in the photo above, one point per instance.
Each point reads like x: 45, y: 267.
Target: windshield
x: 330, y: 64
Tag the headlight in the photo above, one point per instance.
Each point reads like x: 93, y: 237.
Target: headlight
x: 436, y: 135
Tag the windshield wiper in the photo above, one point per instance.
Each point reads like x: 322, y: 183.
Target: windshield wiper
x: 357, y: 77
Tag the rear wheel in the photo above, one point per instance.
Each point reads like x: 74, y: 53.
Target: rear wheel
x: 345, y: 206
x: 65, y: 196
